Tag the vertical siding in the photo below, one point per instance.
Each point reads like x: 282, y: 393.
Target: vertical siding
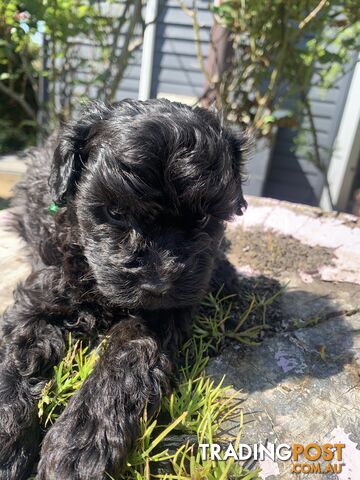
x: 291, y: 176
x: 177, y: 75
x: 176, y: 65
x: 88, y: 53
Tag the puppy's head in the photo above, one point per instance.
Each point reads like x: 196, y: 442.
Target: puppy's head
x: 152, y: 184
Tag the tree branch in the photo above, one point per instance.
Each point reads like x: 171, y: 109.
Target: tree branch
x: 196, y: 29
x: 126, y: 52
x: 116, y: 31
x: 19, y: 99
x: 312, y: 14
x: 317, y: 157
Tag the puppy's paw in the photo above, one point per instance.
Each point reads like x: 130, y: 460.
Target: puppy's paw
x: 19, y: 431
x: 62, y: 459
x: 18, y: 454
x: 101, y: 422
x: 76, y: 447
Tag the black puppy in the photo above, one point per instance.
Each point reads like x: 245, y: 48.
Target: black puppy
x: 144, y: 190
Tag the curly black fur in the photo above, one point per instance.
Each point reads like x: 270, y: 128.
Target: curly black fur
x: 144, y: 190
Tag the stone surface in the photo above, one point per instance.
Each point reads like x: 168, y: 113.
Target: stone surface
x: 302, y: 384
x: 11, y: 169
x: 13, y: 264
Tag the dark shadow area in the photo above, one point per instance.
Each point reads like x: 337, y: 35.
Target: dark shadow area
x: 291, y: 178
x: 4, y: 203
x: 305, y: 336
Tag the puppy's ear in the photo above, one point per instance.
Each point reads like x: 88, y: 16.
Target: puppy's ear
x: 240, y: 144
x: 69, y: 157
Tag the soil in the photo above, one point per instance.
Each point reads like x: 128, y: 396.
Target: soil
x: 274, y: 254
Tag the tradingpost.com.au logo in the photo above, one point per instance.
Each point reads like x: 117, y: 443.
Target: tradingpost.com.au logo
x: 311, y: 458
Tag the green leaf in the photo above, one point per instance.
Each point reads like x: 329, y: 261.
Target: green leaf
x: 269, y: 119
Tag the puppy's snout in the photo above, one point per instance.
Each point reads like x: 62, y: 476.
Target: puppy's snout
x: 157, y: 287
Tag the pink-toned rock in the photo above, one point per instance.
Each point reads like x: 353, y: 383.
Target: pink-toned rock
x: 13, y: 264
x: 341, y: 233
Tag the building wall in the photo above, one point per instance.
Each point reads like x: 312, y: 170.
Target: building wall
x: 176, y: 65
x: 177, y: 76
x: 291, y: 176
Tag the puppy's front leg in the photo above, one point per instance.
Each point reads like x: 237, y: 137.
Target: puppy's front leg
x: 32, y: 345
x: 101, y: 421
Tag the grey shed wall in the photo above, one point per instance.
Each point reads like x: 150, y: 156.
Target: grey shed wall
x: 89, y: 53
x: 176, y: 65
x: 177, y: 75
x: 291, y: 176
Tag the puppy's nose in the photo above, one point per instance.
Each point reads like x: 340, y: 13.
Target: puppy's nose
x: 156, y: 288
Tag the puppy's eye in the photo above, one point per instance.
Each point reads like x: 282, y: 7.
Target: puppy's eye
x: 114, y: 214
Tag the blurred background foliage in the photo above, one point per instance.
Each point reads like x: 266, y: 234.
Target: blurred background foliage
x: 38, y: 46
x: 279, y: 49
x: 276, y: 52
